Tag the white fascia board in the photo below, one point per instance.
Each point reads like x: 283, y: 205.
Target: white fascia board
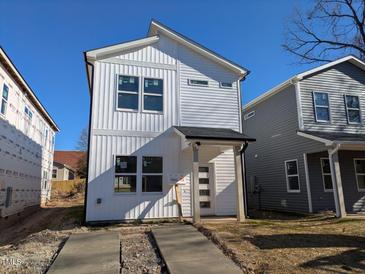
x: 315, y: 138
x: 198, y: 49
x: 107, y: 51
x: 355, y: 61
x: 30, y: 92
x: 269, y: 93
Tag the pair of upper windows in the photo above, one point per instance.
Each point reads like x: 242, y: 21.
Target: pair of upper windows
x: 128, y: 93
x: 322, y: 108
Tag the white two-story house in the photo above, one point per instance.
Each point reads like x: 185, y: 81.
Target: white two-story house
x: 165, y: 130
x: 310, y: 149
x: 27, y: 136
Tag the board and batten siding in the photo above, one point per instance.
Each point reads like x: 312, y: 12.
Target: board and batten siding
x: 344, y: 78
x: 141, y: 133
x: 275, y: 126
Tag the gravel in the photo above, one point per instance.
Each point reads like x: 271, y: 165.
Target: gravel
x: 139, y: 253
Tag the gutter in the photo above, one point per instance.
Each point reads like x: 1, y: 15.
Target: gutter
x: 91, y: 87
x: 244, y: 176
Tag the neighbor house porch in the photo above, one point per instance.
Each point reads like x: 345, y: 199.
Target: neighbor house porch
x: 336, y: 174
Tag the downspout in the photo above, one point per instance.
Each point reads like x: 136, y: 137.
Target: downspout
x: 91, y: 87
x: 244, y: 176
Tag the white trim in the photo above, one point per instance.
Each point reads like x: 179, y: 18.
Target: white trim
x: 315, y: 106
x: 326, y: 174
x: 355, y: 61
x: 356, y: 174
x: 239, y: 105
x: 114, y: 60
x: 127, y: 92
x: 347, y: 109
x: 299, y: 105
x: 315, y: 138
x: 294, y: 175
x: 155, y: 27
x: 307, y: 182
x: 128, y: 133
x: 100, y: 53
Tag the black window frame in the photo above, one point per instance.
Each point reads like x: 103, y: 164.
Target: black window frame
x: 148, y: 173
x: 118, y: 173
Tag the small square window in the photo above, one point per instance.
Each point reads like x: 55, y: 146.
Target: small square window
x: 204, y: 204
x: 125, y: 164
x: 128, y: 83
x: 153, y: 85
x: 152, y: 164
x: 152, y: 183
x: 154, y: 103
x: 127, y: 101
x: 125, y: 183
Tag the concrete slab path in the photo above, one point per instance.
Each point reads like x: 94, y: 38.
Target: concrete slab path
x: 186, y: 250
x: 91, y: 252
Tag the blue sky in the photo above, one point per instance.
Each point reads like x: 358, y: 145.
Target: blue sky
x: 45, y: 40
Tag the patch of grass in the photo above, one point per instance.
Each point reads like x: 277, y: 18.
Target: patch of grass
x: 76, y: 213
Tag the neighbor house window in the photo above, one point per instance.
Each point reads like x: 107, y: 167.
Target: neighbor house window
x: 321, y: 106
x: 249, y: 115
x: 4, y: 99
x: 54, y: 173
x: 127, y: 94
x: 151, y: 174
x: 28, y: 112
x: 353, y: 109
x: 292, y: 175
x: 153, y: 94
x: 225, y: 85
x: 360, y: 173
x: 195, y: 82
x: 326, y: 174
x: 125, y: 174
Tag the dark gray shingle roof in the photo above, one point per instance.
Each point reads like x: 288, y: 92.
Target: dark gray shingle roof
x: 331, y: 136
x: 213, y: 134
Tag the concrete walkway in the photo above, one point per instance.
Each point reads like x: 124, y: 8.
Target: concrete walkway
x: 186, y: 250
x: 92, y: 252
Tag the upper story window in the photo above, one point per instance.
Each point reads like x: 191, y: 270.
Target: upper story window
x: 28, y: 112
x: 292, y: 175
x: 195, y: 82
x: 353, y: 109
x: 153, y: 94
x: 225, y: 85
x: 127, y: 94
x: 125, y: 173
x: 249, y: 115
x: 4, y: 99
x: 321, y: 106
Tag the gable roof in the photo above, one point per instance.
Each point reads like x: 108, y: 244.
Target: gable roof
x: 18, y: 78
x: 155, y: 29
x: 350, y: 58
x: 69, y: 158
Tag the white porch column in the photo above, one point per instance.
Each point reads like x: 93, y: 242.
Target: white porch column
x: 337, y: 183
x: 195, y: 182
x: 239, y: 184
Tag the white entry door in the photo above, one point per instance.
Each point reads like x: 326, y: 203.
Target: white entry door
x: 206, y: 189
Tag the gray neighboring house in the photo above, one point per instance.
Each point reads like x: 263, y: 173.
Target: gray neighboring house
x: 310, y: 150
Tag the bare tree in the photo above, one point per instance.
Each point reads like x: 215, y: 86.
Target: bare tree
x: 330, y: 29
x: 82, y: 145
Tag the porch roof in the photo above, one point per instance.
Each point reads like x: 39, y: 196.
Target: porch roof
x: 333, y: 137
x: 205, y: 133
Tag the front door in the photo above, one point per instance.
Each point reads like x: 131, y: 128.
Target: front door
x: 206, y: 189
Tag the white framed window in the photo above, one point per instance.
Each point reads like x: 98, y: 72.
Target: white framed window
x: 128, y: 92
x: 125, y: 174
x: 321, y: 107
x: 249, y: 115
x: 353, y: 112
x: 152, y: 174
x: 4, y: 99
x: 196, y: 82
x: 54, y: 173
x: 359, y: 164
x: 326, y: 175
x: 153, y: 94
x: 225, y: 85
x: 28, y: 112
x: 292, y: 175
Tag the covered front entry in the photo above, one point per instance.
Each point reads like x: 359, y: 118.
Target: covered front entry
x: 337, y: 174
x: 196, y: 139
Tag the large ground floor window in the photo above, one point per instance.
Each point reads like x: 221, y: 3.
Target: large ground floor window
x: 125, y: 174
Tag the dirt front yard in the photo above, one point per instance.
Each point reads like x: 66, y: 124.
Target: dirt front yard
x: 288, y: 244
x: 29, y: 243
